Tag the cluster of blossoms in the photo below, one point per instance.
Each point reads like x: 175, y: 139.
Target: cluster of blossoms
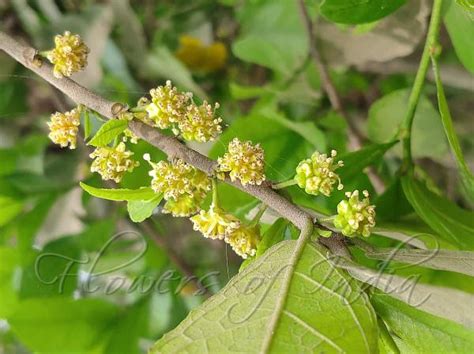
x: 183, y: 186
x: 64, y: 128
x: 316, y: 175
x: 112, y: 162
x: 355, y: 216
x: 217, y: 224
x: 175, y: 110
x: 69, y: 55
x: 243, y: 161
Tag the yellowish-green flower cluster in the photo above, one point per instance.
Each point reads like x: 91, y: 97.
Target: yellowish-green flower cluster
x: 64, y: 127
x: 175, y: 110
x: 217, y: 224
x: 199, y: 123
x: 243, y: 161
x: 244, y: 240
x: 183, y: 186
x: 112, y: 162
x: 316, y: 175
x: 355, y: 217
x: 69, y: 55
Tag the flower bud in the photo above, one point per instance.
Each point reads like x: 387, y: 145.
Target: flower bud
x: 69, y: 55
x: 64, y: 128
x: 316, y: 175
x: 243, y: 161
x: 355, y: 216
x: 112, y: 163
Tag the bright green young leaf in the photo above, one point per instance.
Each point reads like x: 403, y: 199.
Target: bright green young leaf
x: 385, y: 116
x: 87, y: 124
x: 9, y: 208
x: 139, y: 210
x: 460, y: 24
x: 76, y: 325
x: 358, y: 11
x: 416, y: 331
x: 355, y: 162
x: 108, y: 132
x: 466, y: 174
x: 453, y: 224
x: 269, y: 30
x: 143, y: 193
x: 276, y: 306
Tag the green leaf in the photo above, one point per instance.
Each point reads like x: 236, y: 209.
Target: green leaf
x: 466, y: 175
x: 143, y: 193
x: 9, y: 208
x: 453, y: 224
x: 108, y: 132
x: 87, y: 124
x: 386, y: 114
x: 272, y: 236
x: 460, y: 24
x: 454, y: 261
x: 139, y: 210
x: 8, y: 296
x: 280, y: 304
x: 358, y: 11
x: 56, y: 325
x: 355, y: 162
x: 13, y: 98
x: 269, y: 30
x: 416, y: 331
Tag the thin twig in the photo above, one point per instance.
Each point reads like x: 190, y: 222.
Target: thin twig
x: 355, y: 138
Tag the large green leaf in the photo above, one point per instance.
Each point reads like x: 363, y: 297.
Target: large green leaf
x: 466, y: 174
x: 358, y: 11
x: 453, y: 224
x: 460, y: 24
x: 416, y: 331
x: 8, y: 296
x: 281, y: 304
x: 9, y: 208
x: 59, y: 325
x: 270, y: 30
x: 386, y: 114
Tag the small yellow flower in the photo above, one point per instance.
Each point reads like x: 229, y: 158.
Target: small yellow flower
x: 177, y: 178
x: 64, y: 128
x: 199, y: 57
x: 215, y: 223
x: 112, y: 163
x: 167, y: 107
x: 184, y: 205
x: 128, y: 135
x: 200, y: 123
x: 355, y: 216
x: 243, y: 161
x: 316, y: 174
x: 244, y: 240
x: 69, y: 55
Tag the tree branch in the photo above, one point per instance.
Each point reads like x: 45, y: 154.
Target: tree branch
x: 355, y: 138
x: 171, y: 146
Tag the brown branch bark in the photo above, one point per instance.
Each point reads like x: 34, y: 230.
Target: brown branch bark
x: 355, y: 138
x: 26, y: 55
